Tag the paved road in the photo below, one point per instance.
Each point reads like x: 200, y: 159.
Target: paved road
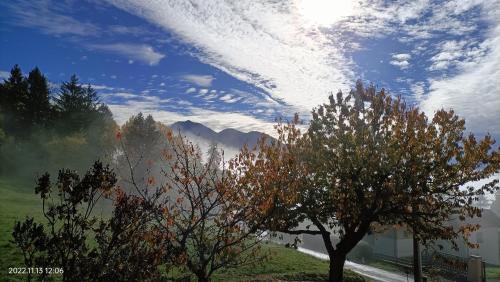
x: 368, y: 271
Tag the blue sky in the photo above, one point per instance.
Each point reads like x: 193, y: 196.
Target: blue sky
x: 241, y: 64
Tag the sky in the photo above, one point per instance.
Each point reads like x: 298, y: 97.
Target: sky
x: 242, y: 64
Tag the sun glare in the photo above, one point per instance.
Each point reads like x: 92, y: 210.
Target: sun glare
x: 325, y: 12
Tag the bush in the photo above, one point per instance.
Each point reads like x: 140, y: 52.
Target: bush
x: 125, y: 247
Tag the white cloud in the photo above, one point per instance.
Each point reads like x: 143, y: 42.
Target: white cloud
x: 266, y: 43
x: 200, y: 80
x: 228, y: 98
x: 401, y: 57
x: 418, y: 90
x: 4, y: 74
x: 474, y: 92
x: 124, y: 95
x: 454, y: 53
x: 297, y: 59
x: 190, y: 90
x: 448, y: 54
x: 203, y: 91
x: 401, y: 60
x: 140, y: 52
x: 102, y: 87
x: 210, y: 96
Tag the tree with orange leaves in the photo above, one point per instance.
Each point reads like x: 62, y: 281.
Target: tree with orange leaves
x: 199, y: 209
x: 366, y: 160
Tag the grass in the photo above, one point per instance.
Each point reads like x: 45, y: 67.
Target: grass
x: 492, y: 272
x: 284, y: 264
x: 380, y: 264
x: 18, y: 200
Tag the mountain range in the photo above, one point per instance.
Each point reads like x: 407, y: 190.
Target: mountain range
x: 230, y: 140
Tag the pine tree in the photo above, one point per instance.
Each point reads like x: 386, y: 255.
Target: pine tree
x: 38, y: 107
x: 76, y: 105
x: 14, y: 94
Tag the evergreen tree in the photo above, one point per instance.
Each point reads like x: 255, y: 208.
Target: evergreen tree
x: 38, y: 108
x: 76, y: 105
x: 14, y: 94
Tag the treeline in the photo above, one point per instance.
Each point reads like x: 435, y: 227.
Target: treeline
x: 44, y: 129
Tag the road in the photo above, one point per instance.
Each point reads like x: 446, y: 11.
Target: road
x: 365, y: 270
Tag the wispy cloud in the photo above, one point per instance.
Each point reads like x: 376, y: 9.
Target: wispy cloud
x: 418, y: 90
x: 200, y: 80
x: 58, y: 18
x: 139, y: 52
x: 269, y: 44
x: 457, y: 53
x: 473, y: 92
x: 451, y: 48
x: 47, y: 17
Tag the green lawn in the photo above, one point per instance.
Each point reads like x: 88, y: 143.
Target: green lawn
x: 284, y: 264
x: 493, y: 272
x: 17, y: 200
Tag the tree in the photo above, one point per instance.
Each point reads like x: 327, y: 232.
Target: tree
x: 25, y: 101
x: 13, y: 97
x: 72, y: 133
x: 76, y: 105
x: 141, y: 144
x: 140, y: 135
x: 368, y: 160
x: 127, y: 246
x: 201, y: 209
x: 38, y: 105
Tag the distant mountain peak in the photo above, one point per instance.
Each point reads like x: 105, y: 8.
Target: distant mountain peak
x: 228, y: 137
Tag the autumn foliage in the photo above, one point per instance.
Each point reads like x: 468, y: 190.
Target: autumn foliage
x: 200, y: 209
x: 366, y: 161
x: 369, y: 160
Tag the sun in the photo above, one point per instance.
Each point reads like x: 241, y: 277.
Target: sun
x: 325, y: 12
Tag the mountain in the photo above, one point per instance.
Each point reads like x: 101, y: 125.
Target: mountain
x: 230, y: 140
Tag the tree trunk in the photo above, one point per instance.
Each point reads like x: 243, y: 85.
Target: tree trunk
x: 417, y: 261
x: 202, y: 278
x: 336, y: 272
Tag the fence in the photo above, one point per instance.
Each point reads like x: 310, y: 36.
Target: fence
x: 447, y: 266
